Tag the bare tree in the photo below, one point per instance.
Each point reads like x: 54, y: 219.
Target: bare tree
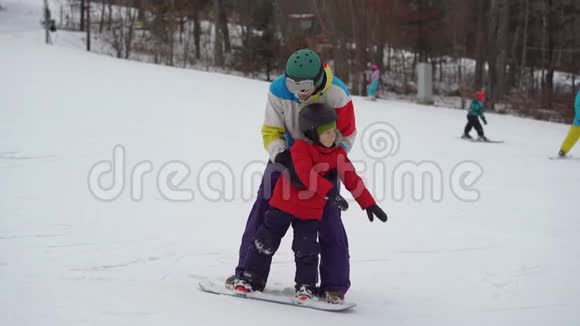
x: 197, y: 33
x: 502, y: 46
x: 480, y: 43
x: 337, y: 28
x: 218, y: 7
x: 102, y: 20
x: 523, y: 63
x: 88, y: 8
x: 548, y: 53
x: 359, y: 30
x: 82, y: 15
x: 123, y: 32
x: 492, y: 50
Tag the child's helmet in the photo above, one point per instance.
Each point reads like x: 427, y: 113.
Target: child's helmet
x: 480, y: 95
x: 316, y: 118
x: 375, y: 66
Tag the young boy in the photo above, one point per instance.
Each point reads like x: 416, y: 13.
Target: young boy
x: 314, y: 157
x: 476, y: 112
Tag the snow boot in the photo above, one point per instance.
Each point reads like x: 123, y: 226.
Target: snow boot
x: 242, y: 286
x: 333, y: 297
x: 257, y: 286
x: 303, y: 294
x: 230, y: 282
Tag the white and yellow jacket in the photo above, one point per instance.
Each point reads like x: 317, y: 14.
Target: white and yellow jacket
x: 280, y: 127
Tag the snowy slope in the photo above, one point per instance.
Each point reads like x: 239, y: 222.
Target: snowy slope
x: 67, y: 258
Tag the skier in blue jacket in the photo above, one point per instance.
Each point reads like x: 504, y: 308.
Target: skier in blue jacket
x: 475, y: 113
x: 574, y: 132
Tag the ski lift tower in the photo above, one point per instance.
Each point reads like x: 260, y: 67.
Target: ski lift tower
x: 425, y: 83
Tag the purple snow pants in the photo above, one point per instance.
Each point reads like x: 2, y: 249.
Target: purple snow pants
x: 334, y: 257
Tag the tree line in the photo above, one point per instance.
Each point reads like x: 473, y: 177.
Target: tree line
x: 524, y: 53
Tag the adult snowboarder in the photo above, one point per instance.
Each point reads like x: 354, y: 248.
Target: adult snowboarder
x: 307, y: 79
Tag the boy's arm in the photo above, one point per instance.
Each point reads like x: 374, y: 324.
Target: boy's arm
x: 353, y: 182
x: 304, y: 170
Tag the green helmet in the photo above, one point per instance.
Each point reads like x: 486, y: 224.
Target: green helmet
x: 305, y: 64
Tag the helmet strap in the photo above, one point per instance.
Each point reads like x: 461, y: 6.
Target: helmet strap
x: 322, y: 83
x: 319, y: 76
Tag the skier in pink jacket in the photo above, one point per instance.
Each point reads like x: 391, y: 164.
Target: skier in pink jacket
x: 375, y: 76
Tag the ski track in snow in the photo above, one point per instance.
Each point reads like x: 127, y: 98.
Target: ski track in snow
x: 115, y: 266
x: 16, y: 156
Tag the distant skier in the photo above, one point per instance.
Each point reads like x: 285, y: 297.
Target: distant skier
x: 307, y: 79
x: 317, y: 158
x: 574, y: 132
x: 375, y: 77
x: 475, y: 113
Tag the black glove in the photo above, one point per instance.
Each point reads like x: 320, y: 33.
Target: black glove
x: 484, y: 120
x: 285, y: 159
x: 337, y: 200
x: 375, y: 210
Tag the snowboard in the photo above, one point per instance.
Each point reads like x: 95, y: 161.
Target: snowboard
x: 475, y: 140
x: 565, y: 158
x: 274, y: 297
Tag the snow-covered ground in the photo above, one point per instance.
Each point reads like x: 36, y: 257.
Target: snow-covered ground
x: 510, y: 257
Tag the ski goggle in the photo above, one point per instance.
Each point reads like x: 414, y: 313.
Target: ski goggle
x: 302, y: 86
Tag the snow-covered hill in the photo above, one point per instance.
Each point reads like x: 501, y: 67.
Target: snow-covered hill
x: 510, y: 257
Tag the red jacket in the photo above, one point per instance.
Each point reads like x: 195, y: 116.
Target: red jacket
x: 312, y: 162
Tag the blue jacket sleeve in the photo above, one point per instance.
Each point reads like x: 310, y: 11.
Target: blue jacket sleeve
x: 480, y: 109
x: 577, y: 107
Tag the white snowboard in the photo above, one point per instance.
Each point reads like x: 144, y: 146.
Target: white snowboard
x: 275, y: 297
x: 489, y: 141
x: 565, y: 158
